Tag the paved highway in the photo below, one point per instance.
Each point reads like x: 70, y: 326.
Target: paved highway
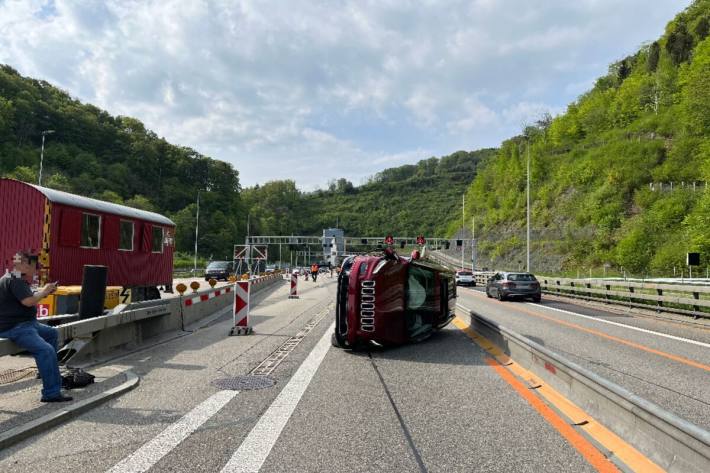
x: 440, y: 405
x: 665, y: 362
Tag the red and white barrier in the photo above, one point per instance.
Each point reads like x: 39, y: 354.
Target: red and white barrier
x: 294, y: 287
x: 208, y: 296
x: 241, y: 309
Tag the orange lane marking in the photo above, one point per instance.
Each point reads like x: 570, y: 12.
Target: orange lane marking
x: 631, y: 457
x: 678, y: 358
x: 582, y: 445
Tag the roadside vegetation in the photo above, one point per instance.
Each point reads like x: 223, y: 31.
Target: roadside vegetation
x: 620, y: 180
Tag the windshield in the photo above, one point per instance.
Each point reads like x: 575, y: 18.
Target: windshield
x: 218, y: 265
x: 465, y: 273
x: 521, y: 277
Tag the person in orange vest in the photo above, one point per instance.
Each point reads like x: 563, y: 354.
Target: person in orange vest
x: 314, y: 271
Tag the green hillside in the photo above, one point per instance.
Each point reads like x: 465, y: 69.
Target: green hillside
x: 405, y: 200
x: 619, y: 179
x: 117, y: 159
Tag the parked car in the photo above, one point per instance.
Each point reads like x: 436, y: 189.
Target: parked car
x: 514, y: 285
x: 465, y: 278
x: 390, y: 300
x: 219, y: 270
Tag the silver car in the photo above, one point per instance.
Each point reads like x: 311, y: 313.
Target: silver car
x: 511, y: 285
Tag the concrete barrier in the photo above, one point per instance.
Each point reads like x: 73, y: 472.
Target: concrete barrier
x: 674, y: 444
x: 141, y: 321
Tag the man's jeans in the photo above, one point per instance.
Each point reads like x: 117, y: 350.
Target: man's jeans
x: 41, y: 341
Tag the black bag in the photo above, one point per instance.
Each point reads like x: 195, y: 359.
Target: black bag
x: 77, y: 378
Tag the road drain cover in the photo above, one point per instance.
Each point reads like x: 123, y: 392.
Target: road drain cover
x: 244, y: 383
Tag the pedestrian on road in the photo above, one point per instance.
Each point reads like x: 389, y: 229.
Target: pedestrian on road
x: 18, y: 322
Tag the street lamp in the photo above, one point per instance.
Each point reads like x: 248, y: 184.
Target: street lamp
x: 41, y: 155
x: 463, y: 228
x: 528, y: 207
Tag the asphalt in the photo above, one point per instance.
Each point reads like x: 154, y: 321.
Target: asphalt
x: 431, y: 406
x: 674, y: 385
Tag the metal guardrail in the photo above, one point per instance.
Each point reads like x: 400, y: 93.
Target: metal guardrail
x: 680, y: 298
x: 132, y: 313
x: 674, y: 444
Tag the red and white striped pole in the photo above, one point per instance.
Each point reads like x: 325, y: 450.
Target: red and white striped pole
x: 294, y: 287
x: 241, y: 309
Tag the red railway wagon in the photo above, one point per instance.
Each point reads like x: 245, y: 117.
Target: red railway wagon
x: 69, y: 231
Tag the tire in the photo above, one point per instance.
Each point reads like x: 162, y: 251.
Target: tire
x: 336, y: 342
x: 488, y: 294
x: 536, y: 298
x: 501, y: 297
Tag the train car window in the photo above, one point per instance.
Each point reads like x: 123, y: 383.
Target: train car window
x: 90, y: 231
x: 157, y: 239
x: 127, y: 235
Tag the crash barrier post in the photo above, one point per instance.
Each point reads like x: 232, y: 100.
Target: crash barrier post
x: 241, y: 309
x: 93, y: 291
x: 672, y: 443
x: 294, y: 287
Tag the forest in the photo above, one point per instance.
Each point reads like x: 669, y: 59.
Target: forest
x: 114, y: 158
x: 619, y: 182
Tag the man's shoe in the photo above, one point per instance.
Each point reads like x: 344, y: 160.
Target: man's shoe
x: 59, y: 398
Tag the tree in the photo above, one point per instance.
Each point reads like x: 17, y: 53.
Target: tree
x: 702, y: 28
x: 679, y: 44
x: 654, y: 52
x: 696, y: 94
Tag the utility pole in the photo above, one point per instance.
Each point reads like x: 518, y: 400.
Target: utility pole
x: 473, y: 244
x: 463, y: 227
x: 528, y: 209
x: 41, y: 155
x: 197, y: 231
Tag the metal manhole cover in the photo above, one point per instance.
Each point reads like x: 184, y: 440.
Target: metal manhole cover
x: 244, y: 383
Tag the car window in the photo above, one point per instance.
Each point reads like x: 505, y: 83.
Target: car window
x: 521, y: 277
x: 217, y: 265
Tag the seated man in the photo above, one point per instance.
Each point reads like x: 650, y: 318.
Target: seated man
x: 18, y: 322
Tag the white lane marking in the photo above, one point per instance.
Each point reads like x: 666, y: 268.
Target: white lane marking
x: 631, y: 327
x: 149, y: 454
x: 256, y: 447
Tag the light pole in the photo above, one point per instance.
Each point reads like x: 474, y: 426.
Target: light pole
x: 197, y: 232
x: 41, y: 155
x: 473, y: 244
x: 463, y: 227
x: 528, y: 208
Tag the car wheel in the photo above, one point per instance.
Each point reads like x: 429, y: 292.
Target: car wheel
x: 336, y: 341
x: 501, y: 297
x: 536, y: 298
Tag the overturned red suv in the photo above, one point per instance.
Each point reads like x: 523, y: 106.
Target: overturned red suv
x: 391, y: 300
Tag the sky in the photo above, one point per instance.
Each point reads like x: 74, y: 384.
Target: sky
x: 318, y: 90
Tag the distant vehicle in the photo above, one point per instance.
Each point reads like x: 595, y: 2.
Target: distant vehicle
x: 219, y: 270
x: 390, y: 300
x: 514, y: 285
x: 296, y: 271
x: 465, y: 278
x: 270, y: 268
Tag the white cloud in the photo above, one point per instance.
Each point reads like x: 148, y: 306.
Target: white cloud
x: 319, y: 90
